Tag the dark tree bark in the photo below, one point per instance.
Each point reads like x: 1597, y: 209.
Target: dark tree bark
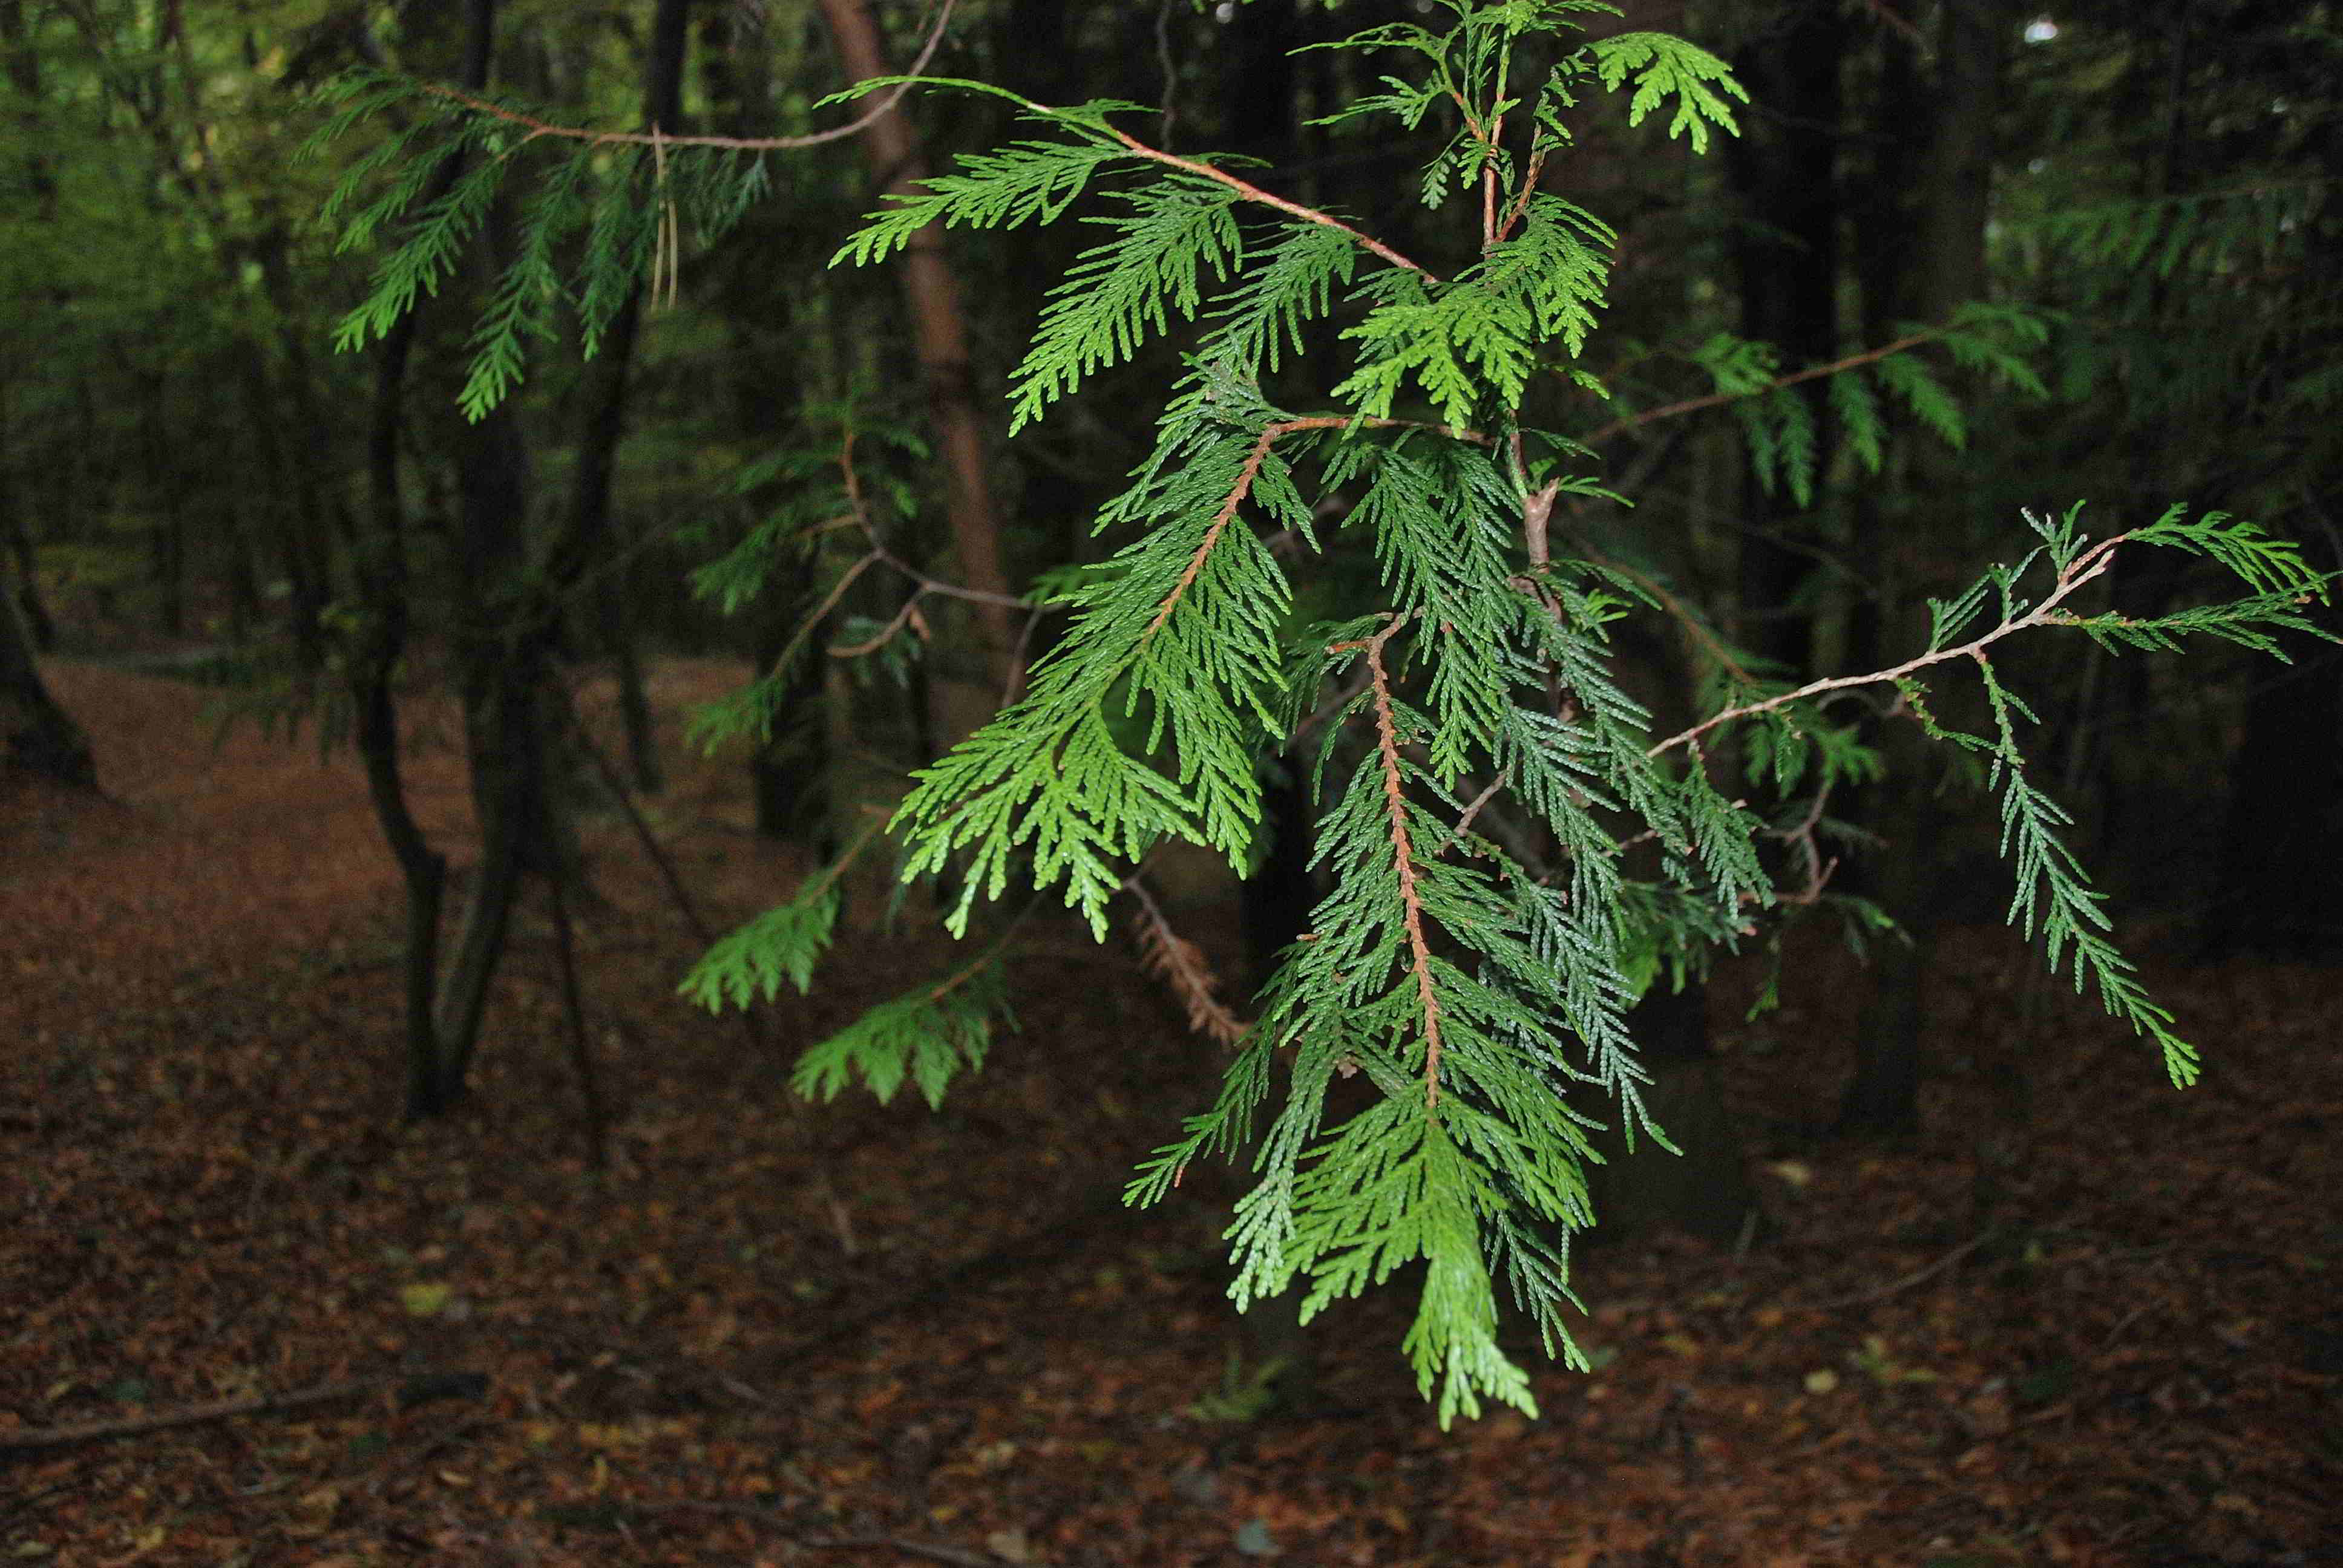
x: 604, y: 393
x: 2284, y: 833
x: 380, y: 567
x: 36, y: 736
x: 1705, y: 1192
x: 1787, y: 256
x: 503, y: 642
x: 21, y: 61
x: 939, y: 334
x: 501, y: 639
x: 1921, y: 265
x: 39, y: 627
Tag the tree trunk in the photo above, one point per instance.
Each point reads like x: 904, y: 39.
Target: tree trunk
x: 604, y: 393
x: 2285, y: 828
x: 1705, y: 1190
x: 1922, y: 268
x: 501, y: 637
x: 36, y: 736
x: 39, y: 628
x: 1787, y: 257
x: 379, y: 564
x: 940, y: 332
x: 502, y: 641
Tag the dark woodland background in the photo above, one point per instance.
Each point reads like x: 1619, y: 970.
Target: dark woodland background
x: 1949, y: 1275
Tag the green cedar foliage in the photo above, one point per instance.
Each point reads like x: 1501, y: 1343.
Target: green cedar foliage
x: 1484, y: 1003
x: 1482, y: 774
x: 604, y: 206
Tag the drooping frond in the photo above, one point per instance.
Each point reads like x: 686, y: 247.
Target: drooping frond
x: 1667, y: 69
x: 1120, y: 292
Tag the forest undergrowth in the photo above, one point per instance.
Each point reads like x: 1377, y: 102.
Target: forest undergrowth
x: 2108, y: 1338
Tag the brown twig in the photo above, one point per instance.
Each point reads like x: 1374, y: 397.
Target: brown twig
x: 1269, y: 436
x: 1182, y: 966
x: 1254, y: 193
x: 658, y: 141
x: 573, y: 1020
x: 1898, y: 21
x: 1403, y: 851
x: 858, y: 516
x: 1472, y: 806
x: 23, y: 1438
x: 1716, y: 399
x: 2085, y: 566
x: 1221, y: 519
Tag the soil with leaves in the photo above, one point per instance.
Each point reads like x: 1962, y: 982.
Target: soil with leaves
x: 247, y: 1318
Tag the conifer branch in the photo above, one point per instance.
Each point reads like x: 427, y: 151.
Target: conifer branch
x: 1221, y: 519
x: 1182, y: 965
x: 1718, y: 399
x: 1419, y: 951
x: 874, y: 823
x: 1270, y: 434
x: 660, y: 140
x: 1254, y: 194
x: 1522, y: 197
x: 2092, y: 562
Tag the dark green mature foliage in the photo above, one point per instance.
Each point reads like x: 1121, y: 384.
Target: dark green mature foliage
x: 603, y: 206
x: 1485, y: 779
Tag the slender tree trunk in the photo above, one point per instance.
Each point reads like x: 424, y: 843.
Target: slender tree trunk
x: 38, y: 624
x: 1787, y: 255
x: 379, y: 558
x: 2284, y: 833
x: 1951, y: 123
x: 503, y: 645
x: 940, y: 332
x: 18, y: 538
x: 21, y: 63
x: 604, y: 393
x: 36, y: 735
x: 501, y: 637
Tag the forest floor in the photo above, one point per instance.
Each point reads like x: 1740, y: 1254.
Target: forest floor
x: 880, y: 1336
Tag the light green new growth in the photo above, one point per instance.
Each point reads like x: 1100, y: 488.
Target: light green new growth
x: 926, y: 1038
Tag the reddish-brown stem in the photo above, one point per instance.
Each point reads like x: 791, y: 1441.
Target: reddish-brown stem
x: 1715, y: 400
x: 1403, y: 853
x: 1254, y: 193
x: 1252, y: 470
x: 1522, y: 197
